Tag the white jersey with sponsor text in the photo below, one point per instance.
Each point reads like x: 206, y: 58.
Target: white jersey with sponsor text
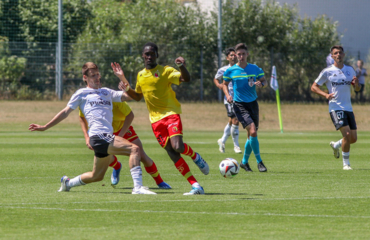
x: 219, y: 74
x: 338, y: 81
x: 96, y: 105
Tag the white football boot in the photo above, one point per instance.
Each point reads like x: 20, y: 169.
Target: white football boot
x: 142, y: 190
x: 237, y: 149
x: 335, y: 150
x: 347, y: 167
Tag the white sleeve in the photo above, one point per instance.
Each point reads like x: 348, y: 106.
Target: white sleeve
x: 219, y: 74
x: 116, y: 95
x: 75, y: 100
x: 322, y: 78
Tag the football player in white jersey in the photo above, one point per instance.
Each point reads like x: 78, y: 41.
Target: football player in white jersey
x: 96, y: 105
x: 338, y: 79
x: 232, y: 127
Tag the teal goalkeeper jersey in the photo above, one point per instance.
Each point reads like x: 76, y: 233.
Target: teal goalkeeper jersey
x: 243, y: 81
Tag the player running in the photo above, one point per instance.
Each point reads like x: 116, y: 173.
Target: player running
x: 338, y: 79
x: 232, y: 127
x: 245, y: 77
x: 96, y: 105
x: 122, y: 119
x: 154, y: 84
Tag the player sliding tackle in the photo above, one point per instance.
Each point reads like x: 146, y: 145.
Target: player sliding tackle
x: 96, y: 105
x: 338, y: 79
x: 154, y: 84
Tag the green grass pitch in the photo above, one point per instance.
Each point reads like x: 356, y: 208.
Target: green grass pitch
x: 304, y: 195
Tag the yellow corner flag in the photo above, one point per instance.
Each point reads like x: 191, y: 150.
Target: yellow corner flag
x: 274, y: 85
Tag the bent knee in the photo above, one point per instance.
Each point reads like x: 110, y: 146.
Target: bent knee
x: 97, y: 178
x: 353, y: 139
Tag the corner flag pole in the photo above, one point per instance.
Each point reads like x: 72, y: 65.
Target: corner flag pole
x: 274, y: 85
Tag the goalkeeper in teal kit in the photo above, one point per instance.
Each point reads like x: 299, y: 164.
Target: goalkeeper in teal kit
x: 245, y: 77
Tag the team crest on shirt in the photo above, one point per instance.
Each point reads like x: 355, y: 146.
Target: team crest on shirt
x: 175, y: 129
x: 156, y: 74
x: 348, y: 73
x: 251, y: 81
x: 104, y: 92
x: 129, y: 133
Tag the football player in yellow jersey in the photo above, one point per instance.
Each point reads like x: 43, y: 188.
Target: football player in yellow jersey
x: 154, y: 84
x: 122, y: 119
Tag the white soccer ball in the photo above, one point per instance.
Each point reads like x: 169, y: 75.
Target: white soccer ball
x: 229, y: 168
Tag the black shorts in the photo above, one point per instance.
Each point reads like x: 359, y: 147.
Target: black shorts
x: 247, y: 113
x: 230, y: 110
x: 343, y: 118
x: 100, y: 144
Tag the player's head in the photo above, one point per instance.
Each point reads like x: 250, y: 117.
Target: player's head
x: 360, y: 63
x: 150, y: 55
x: 91, y: 75
x: 231, y: 56
x: 337, y: 53
x: 241, y: 51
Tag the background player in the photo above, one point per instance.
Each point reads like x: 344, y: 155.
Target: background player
x: 154, y: 84
x: 245, y: 77
x: 338, y: 79
x: 232, y: 127
x: 96, y: 104
x: 122, y: 119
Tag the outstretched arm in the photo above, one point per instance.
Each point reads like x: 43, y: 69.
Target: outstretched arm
x: 84, y: 128
x: 57, y: 119
x: 185, y: 75
x: 125, y: 86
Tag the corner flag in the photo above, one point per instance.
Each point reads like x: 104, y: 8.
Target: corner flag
x: 274, y: 85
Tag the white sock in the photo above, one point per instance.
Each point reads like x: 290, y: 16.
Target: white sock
x: 136, y: 175
x: 226, y: 133
x: 235, y: 134
x: 196, y: 185
x: 345, y: 156
x: 75, y: 182
x: 338, y: 144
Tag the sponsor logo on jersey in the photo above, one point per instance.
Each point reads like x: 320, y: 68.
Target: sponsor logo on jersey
x: 342, y: 83
x: 100, y: 102
x: 243, y: 73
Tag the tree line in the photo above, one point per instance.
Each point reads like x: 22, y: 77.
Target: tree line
x: 110, y: 30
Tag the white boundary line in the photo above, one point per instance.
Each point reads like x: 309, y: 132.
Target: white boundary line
x: 197, y: 213
x: 249, y: 198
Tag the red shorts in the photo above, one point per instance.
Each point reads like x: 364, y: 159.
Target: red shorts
x: 166, y: 128
x: 130, y: 134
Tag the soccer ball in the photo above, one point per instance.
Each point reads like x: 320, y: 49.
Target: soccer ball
x: 229, y: 168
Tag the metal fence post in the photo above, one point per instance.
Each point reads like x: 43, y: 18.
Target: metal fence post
x: 201, y: 74
x: 59, y: 55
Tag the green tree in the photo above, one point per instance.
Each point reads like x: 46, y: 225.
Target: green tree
x: 121, y: 29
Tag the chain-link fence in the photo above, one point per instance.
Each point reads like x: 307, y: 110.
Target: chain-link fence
x: 29, y: 69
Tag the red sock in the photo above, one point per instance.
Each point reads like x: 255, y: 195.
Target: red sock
x: 115, y: 164
x: 189, y: 152
x: 183, y: 168
x: 152, y: 170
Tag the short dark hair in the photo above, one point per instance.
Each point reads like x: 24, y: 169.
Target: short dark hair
x: 87, y: 66
x: 229, y: 50
x: 150, y: 44
x: 336, y: 47
x: 241, y: 46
